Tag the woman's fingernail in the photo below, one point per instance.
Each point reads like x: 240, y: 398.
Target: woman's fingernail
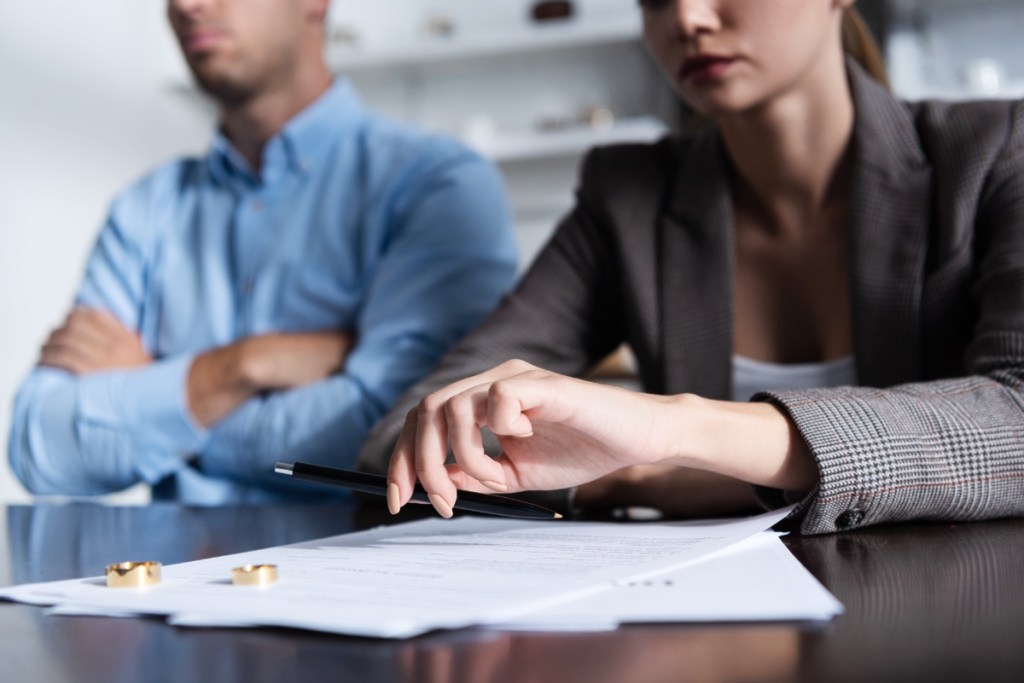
x: 394, y: 498
x: 441, y: 505
x: 496, y: 486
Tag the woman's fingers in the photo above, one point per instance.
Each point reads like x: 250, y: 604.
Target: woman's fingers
x: 506, y: 408
x: 423, y: 445
x: 402, y: 468
x: 464, y: 481
x: 513, y: 403
x: 465, y: 414
x: 431, y: 444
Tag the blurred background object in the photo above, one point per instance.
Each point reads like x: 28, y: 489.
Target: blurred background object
x: 531, y: 85
x: 547, y: 10
x: 955, y: 49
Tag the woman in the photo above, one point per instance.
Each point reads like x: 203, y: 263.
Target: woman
x: 820, y: 235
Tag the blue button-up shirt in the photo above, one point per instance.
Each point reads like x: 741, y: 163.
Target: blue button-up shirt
x: 353, y: 223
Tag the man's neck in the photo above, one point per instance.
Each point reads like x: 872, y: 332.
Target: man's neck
x: 250, y: 124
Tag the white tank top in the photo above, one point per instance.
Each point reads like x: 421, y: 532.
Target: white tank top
x: 751, y: 376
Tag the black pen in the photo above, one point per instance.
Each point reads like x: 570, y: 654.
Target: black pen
x: 485, y: 503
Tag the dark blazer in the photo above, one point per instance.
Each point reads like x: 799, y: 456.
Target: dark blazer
x: 935, y: 427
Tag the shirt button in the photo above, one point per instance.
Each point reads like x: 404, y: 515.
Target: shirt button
x: 257, y: 205
x: 247, y: 286
x: 849, y: 519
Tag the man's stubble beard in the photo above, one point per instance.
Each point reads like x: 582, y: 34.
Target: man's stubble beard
x: 235, y: 87
x: 226, y: 90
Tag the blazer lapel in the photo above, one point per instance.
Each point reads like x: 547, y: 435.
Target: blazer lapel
x: 889, y: 229
x: 696, y: 267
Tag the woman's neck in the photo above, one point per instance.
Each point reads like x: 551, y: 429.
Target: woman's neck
x: 788, y: 153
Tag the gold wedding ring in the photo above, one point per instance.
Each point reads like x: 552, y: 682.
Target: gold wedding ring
x: 254, y: 575
x: 133, y: 574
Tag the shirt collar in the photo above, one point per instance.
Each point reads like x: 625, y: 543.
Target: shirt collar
x: 300, y: 146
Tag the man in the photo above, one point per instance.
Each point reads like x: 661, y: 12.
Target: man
x: 270, y: 301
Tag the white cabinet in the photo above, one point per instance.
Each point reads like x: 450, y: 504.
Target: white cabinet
x: 532, y: 96
x: 414, y: 32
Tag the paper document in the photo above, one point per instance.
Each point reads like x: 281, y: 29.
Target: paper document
x: 407, y: 579
x: 756, y: 579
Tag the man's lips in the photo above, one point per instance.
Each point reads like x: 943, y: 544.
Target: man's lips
x: 199, y: 41
x: 705, y: 68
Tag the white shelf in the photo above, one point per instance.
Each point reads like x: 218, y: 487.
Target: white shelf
x: 906, y: 7
x: 510, y: 147
x: 527, y: 39
x: 1011, y: 90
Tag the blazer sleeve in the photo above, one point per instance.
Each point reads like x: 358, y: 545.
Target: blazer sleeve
x: 564, y: 315
x: 951, y: 449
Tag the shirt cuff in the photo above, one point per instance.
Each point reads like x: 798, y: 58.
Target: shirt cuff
x: 150, y: 404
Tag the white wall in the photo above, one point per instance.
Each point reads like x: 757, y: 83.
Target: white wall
x: 85, y: 107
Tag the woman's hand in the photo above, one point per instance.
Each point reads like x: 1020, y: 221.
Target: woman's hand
x: 555, y: 432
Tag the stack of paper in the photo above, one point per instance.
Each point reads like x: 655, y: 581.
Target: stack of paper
x: 407, y: 579
x: 756, y: 579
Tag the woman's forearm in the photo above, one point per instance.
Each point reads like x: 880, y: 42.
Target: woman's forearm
x: 753, y: 442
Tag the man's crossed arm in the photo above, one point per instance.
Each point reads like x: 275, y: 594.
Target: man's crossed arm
x: 219, y: 380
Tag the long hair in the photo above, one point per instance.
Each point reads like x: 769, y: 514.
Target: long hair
x: 860, y: 44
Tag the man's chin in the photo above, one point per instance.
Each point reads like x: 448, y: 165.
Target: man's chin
x: 222, y: 88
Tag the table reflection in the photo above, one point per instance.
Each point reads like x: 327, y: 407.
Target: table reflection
x: 928, y: 602
x: 636, y: 655
x: 50, y: 542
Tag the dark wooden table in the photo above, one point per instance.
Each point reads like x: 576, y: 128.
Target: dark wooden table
x: 925, y: 602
